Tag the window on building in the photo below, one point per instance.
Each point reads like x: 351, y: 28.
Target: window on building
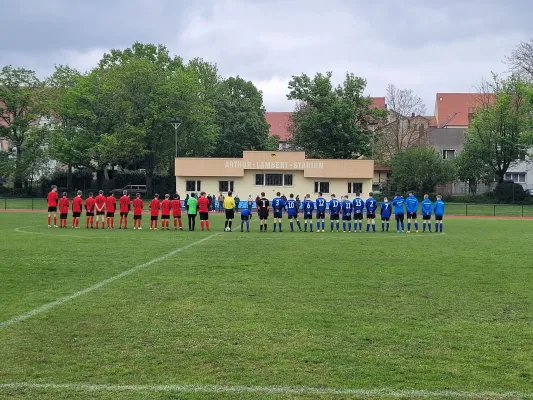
x: 516, y: 177
x: 193, y: 186
x: 448, y: 154
x: 225, y: 186
x: 355, y: 187
x: 287, y: 180
x: 274, y: 179
x: 321, y: 187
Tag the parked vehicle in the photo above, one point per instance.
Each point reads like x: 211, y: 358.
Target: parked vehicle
x: 131, y: 189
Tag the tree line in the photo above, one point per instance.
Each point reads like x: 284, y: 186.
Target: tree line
x: 132, y: 109
x: 120, y: 113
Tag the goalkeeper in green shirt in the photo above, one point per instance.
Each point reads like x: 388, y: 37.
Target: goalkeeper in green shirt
x: 192, y: 205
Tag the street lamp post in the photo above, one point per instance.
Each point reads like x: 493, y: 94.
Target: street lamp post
x: 175, y: 122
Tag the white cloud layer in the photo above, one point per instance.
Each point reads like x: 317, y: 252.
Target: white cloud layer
x: 446, y: 47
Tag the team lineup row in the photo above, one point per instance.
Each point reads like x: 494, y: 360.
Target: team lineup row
x: 353, y: 208
x: 344, y: 209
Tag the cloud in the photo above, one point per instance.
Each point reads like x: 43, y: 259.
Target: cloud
x: 441, y: 47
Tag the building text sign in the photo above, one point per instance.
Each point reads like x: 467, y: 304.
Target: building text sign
x: 282, y: 165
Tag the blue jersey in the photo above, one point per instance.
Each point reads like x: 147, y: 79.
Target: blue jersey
x: 386, y: 209
x: 371, y: 204
x: 321, y: 205
x: 346, y: 208
x: 411, y: 204
x: 398, y: 205
x: 358, y: 205
x: 439, y: 208
x: 246, y: 213
x: 291, y: 208
x: 277, y: 204
x: 334, y: 206
x: 308, y: 207
x: 427, y: 207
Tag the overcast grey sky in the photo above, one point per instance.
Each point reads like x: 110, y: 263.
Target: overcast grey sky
x: 428, y: 46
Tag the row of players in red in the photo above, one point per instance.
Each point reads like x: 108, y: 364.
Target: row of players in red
x: 106, y: 206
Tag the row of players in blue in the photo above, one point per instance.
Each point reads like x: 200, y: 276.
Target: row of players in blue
x: 348, y: 208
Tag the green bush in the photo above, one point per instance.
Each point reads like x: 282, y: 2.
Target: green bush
x: 510, y: 192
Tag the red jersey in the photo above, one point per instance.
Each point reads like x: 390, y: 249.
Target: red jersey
x: 124, y: 203
x: 89, y: 204
x: 110, y: 203
x: 203, y: 205
x: 165, y: 207
x: 64, y: 203
x: 100, y: 202
x: 52, y: 199
x: 138, y: 207
x: 77, y: 204
x: 155, y: 205
x: 176, y: 208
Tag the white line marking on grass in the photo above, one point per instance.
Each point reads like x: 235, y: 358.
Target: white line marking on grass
x: 20, y: 230
x: 98, y: 285
x: 404, y: 393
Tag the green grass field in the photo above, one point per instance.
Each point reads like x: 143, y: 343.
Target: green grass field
x: 265, y: 316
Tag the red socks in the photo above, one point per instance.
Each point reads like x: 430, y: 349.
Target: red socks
x: 207, y: 224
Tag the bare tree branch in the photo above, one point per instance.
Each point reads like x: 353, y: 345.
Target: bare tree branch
x: 402, y: 131
x: 521, y: 60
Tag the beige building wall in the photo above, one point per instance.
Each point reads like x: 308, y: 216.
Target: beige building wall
x: 305, y: 172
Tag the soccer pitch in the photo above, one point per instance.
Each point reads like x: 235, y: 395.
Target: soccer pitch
x: 88, y: 314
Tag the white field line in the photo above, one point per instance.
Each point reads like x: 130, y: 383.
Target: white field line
x: 98, y: 285
x: 20, y: 230
x: 403, y: 393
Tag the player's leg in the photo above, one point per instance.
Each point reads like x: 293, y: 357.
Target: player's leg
x: 349, y: 224
x: 361, y: 222
x: 207, y: 221
x: 398, y: 223
x: 401, y: 222
x: 416, y: 224
x: 248, y: 224
x: 409, y: 222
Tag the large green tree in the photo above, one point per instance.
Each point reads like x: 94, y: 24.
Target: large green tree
x: 241, y: 118
x: 20, y: 112
x: 501, y: 129
x: 332, y: 122
x: 472, y: 170
x: 420, y: 169
x: 70, y: 142
x: 148, y: 87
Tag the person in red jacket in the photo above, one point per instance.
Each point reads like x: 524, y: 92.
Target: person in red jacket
x: 176, y: 212
x: 203, y: 209
x: 64, y: 204
x: 77, y: 205
x: 52, y: 205
x: 110, y: 204
x: 125, y: 206
x: 138, y: 206
x: 89, y: 211
x: 100, y: 208
x: 166, y: 205
x: 155, y: 205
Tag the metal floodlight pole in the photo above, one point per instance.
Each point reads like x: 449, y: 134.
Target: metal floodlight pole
x: 175, y: 122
